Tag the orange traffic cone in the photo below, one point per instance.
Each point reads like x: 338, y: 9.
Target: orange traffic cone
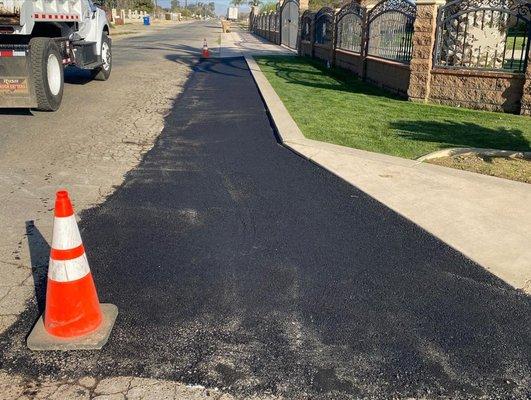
x: 205, y: 53
x: 73, y: 316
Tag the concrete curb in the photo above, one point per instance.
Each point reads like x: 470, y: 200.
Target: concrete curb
x: 284, y: 124
x: 481, y: 216
x: 526, y: 155
x: 290, y: 133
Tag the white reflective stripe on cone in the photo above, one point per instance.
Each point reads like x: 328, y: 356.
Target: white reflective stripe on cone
x: 68, y: 270
x: 65, y: 233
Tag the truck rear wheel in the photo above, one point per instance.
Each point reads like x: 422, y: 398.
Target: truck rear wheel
x: 102, y: 73
x: 47, y: 73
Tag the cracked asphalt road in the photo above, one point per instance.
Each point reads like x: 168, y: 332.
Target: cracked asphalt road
x: 100, y: 133
x: 240, y: 266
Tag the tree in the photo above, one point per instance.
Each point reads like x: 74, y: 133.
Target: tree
x: 185, y: 12
x: 175, y: 5
x: 237, y: 3
x: 317, y: 4
x: 144, y: 5
x: 269, y: 6
x: 255, y: 3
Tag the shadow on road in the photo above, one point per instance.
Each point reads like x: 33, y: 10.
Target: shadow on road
x: 16, y: 111
x: 39, y: 250
x: 78, y: 76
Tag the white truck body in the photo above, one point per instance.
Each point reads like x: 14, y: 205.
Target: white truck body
x: 76, y: 31
x: 90, y: 19
x: 232, y: 13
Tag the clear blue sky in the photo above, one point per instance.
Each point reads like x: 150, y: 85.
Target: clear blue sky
x: 221, y: 5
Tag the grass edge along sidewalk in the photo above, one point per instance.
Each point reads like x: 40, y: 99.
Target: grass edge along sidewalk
x: 332, y: 105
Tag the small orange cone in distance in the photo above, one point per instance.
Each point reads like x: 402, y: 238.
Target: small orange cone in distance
x: 73, y: 316
x: 205, y: 53
x: 72, y: 305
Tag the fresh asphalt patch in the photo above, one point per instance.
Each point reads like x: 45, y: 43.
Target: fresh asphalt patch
x: 237, y: 264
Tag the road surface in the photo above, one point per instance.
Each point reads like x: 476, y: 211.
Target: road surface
x: 238, y: 265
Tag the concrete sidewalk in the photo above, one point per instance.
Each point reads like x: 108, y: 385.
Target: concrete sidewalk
x: 487, y: 219
x: 239, y: 43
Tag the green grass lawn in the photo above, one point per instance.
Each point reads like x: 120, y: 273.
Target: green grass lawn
x: 333, y: 106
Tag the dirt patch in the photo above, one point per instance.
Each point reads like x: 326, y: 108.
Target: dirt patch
x: 516, y: 169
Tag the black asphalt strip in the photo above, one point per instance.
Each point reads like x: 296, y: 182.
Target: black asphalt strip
x: 237, y: 264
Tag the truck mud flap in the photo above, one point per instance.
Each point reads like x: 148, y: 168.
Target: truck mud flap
x: 16, y: 88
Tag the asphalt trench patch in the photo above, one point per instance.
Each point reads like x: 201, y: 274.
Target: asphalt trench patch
x: 237, y: 264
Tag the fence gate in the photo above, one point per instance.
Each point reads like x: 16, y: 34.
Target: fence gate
x: 289, y: 17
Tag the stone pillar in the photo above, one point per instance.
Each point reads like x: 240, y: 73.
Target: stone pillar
x: 368, y: 7
x: 423, y: 44
x: 525, y: 108
x: 122, y: 15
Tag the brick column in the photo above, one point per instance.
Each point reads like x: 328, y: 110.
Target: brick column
x: 423, y: 44
x: 525, y: 108
x: 369, y: 5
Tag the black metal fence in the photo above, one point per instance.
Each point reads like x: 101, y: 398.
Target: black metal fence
x: 324, y: 26
x: 475, y: 34
x: 484, y: 34
x: 390, y: 30
x: 350, y: 27
x: 386, y: 31
x: 307, y: 19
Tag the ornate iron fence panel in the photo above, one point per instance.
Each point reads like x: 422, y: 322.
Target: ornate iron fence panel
x: 484, y: 34
x: 289, y: 23
x: 306, y: 25
x: 349, y: 24
x: 324, y: 26
x: 390, y: 30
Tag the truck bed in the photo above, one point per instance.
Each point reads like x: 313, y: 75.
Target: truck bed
x: 23, y: 12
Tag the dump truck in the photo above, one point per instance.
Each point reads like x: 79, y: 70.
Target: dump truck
x: 39, y: 38
x: 232, y: 13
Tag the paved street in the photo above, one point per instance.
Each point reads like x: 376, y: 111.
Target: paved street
x: 100, y: 133
x: 235, y: 263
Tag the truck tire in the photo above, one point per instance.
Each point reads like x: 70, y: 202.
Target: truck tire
x: 47, y: 73
x: 102, y: 73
